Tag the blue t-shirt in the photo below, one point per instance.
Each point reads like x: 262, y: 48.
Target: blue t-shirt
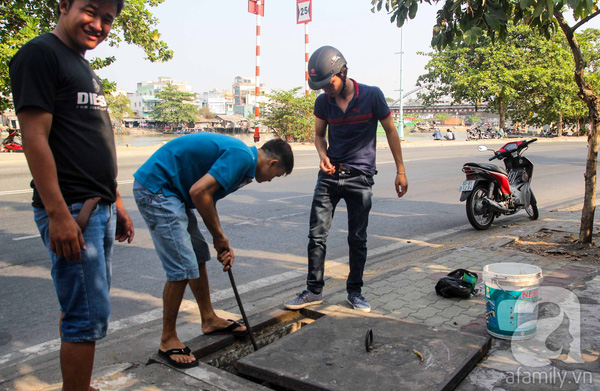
x: 353, y: 135
x: 180, y: 163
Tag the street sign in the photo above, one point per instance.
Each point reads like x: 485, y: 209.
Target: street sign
x: 303, y: 11
x: 253, y: 9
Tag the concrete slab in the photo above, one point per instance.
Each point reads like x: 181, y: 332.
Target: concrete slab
x: 201, y: 377
x: 330, y: 354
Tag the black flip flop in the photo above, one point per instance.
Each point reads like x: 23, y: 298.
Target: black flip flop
x: 229, y: 330
x: 173, y: 352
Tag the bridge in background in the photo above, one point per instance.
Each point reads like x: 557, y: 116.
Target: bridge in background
x: 461, y: 111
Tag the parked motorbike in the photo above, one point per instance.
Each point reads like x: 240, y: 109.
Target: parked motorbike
x: 473, y: 134
x: 491, y: 191
x: 493, y: 133
x: 11, y: 143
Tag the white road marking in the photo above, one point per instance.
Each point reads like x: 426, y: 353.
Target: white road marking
x: 29, y: 191
x: 25, y: 191
x: 31, y: 352
x: 11, y: 192
x: 289, y: 198
x: 129, y: 181
x: 27, y: 237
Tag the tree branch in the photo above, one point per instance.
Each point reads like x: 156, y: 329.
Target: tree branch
x: 585, y: 20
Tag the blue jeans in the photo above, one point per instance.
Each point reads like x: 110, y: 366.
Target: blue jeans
x: 83, y: 286
x: 356, y: 190
x: 174, y: 229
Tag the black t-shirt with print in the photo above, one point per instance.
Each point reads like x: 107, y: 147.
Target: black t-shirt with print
x: 47, y: 74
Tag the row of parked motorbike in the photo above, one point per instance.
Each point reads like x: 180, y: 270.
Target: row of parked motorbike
x: 480, y: 132
x: 12, y: 143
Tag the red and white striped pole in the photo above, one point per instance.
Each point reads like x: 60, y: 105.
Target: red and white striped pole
x: 304, y: 15
x: 306, y: 90
x: 257, y: 87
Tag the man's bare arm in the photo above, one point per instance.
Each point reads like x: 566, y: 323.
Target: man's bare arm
x: 125, y: 230
x: 401, y: 182
x: 202, y: 196
x: 321, y: 145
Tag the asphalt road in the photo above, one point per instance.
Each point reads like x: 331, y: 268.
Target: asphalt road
x: 266, y: 224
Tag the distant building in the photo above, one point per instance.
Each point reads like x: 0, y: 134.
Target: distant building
x: 233, y: 122
x: 244, y: 96
x: 144, y: 99
x: 8, y: 119
x: 218, y: 102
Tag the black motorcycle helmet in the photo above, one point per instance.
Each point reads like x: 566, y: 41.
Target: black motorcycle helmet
x: 325, y: 62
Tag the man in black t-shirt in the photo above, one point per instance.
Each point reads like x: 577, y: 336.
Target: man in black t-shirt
x: 69, y: 146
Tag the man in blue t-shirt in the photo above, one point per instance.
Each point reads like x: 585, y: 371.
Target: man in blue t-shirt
x: 348, y: 114
x: 194, y: 172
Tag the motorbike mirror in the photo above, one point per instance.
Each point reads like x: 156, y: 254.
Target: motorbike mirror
x: 482, y: 148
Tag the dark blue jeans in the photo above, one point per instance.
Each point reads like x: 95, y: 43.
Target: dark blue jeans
x: 330, y: 189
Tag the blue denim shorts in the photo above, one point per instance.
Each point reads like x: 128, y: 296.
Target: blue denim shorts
x: 83, y: 286
x: 175, y: 233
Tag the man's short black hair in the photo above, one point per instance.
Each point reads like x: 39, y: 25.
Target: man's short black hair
x: 280, y: 150
x: 119, y: 3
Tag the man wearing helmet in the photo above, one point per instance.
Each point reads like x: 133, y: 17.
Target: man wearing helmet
x: 350, y: 111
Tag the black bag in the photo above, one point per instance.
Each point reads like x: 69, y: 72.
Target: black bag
x: 459, y: 283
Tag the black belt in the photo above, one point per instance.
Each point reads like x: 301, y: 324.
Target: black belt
x: 347, y: 171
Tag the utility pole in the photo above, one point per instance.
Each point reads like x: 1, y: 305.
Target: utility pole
x: 257, y: 7
x: 401, y: 104
x: 304, y: 15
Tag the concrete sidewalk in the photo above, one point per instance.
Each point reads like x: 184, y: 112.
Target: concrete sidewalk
x: 398, y: 285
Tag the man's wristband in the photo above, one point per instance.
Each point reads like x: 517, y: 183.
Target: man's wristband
x: 401, y: 172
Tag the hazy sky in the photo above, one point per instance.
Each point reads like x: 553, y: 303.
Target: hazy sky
x: 214, y: 41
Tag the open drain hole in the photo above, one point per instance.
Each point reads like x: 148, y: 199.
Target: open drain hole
x: 226, y: 358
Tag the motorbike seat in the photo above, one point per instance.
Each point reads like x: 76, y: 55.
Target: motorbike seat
x: 487, y: 166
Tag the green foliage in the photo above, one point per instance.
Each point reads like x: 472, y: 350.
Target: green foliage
x: 137, y: 26
x: 531, y: 77
x: 290, y: 116
x: 119, y: 106
x: 175, y: 107
x: 442, y: 117
x: 466, y: 20
x: 21, y: 20
x: 474, y: 119
x: 463, y: 20
x: 8, y: 48
x: 206, y: 113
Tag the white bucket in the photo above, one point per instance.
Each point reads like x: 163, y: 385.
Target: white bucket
x: 512, y: 291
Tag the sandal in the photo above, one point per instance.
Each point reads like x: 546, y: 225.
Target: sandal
x: 230, y: 330
x: 174, y: 352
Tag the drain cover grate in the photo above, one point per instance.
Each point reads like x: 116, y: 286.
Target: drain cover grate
x: 330, y: 354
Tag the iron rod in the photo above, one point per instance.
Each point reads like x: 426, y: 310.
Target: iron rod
x: 239, y: 301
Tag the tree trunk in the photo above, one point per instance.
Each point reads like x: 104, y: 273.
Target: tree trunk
x: 502, y: 113
x: 589, y: 201
x: 559, y: 125
x: 587, y: 95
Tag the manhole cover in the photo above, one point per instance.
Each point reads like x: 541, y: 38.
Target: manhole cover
x: 330, y: 354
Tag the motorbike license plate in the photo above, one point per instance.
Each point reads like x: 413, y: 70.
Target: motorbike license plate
x: 467, y: 185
